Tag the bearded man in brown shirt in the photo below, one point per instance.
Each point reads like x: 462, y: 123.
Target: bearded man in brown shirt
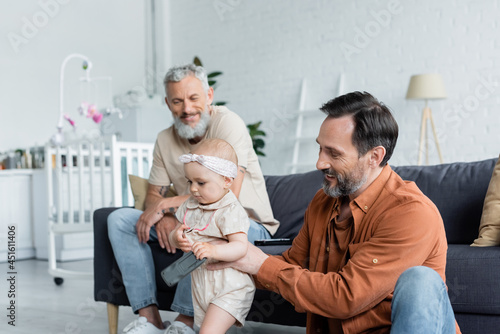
x: 371, y: 255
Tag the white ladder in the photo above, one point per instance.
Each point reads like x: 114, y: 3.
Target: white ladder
x: 300, y: 137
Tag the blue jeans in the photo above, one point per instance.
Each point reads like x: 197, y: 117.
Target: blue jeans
x: 136, y: 261
x: 421, y: 303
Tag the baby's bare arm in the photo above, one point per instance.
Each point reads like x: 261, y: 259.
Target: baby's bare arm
x: 234, y: 249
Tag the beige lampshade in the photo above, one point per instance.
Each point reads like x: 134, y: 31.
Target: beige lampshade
x: 426, y: 87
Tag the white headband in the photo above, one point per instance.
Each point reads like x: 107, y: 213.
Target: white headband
x: 218, y: 165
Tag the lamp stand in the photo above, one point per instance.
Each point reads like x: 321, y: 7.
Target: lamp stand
x: 427, y: 115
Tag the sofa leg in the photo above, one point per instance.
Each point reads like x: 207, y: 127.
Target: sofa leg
x: 113, y: 318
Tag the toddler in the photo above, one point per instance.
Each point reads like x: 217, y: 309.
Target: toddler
x: 223, y: 297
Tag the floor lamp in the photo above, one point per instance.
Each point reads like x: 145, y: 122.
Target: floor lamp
x: 426, y: 87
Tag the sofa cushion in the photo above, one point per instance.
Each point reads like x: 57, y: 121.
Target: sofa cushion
x: 472, y: 276
x: 489, y: 227
x: 478, y: 323
x: 139, y: 187
x: 290, y: 195
x: 458, y: 190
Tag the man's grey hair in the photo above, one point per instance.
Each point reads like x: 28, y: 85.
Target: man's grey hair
x: 177, y: 73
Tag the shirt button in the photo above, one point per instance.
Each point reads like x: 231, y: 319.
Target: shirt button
x: 375, y: 260
x: 366, y: 207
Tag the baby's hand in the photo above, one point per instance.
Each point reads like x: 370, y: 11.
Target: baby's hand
x: 181, y: 240
x: 203, y: 250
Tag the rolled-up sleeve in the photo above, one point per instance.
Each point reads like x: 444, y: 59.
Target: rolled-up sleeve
x: 158, y: 175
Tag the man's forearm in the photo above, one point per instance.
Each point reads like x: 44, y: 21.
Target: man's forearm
x: 167, y: 205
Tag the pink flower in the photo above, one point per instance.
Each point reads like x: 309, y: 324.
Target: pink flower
x: 97, y: 117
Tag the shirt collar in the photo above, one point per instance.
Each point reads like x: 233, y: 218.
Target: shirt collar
x: 370, y: 195
x: 228, y: 199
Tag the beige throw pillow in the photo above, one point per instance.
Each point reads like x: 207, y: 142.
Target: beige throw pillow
x: 489, y: 228
x: 139, y: 188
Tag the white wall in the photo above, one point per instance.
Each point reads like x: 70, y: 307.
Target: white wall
x: 35, y: 38
x: 265, y: 48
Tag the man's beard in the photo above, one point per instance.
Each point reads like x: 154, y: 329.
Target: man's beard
x: 346, y: 185
x: 187, y: 132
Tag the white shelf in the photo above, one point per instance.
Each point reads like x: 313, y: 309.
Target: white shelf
x: 13, y: 172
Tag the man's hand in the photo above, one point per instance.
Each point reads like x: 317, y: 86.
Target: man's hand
x: 157, y: 205
x: 163, y: 229
x: 250, y: 263
x: 149, y: 217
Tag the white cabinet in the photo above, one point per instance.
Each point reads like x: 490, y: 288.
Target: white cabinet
x: 16, y: 209
x: 23, y: 203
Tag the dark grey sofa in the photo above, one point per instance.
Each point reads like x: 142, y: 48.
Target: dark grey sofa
x: 457, y: 189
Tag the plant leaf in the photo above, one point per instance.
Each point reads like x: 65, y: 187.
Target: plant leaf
x: 220, y: 103
x: 211, y: 82
x: 259, y: 143
x: 197, y: 61
x: 213, y: 74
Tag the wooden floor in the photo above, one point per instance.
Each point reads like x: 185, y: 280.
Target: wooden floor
x: 42, y: 307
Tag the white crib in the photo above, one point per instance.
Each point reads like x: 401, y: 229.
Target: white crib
x: 83, y: 176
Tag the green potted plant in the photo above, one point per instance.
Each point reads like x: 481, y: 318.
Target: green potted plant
x: 257, y: 136
x: 211, y: 79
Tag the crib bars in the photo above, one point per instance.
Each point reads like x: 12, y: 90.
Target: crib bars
x: 83, y: 176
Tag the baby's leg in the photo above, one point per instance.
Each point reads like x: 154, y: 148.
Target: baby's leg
x: 216, y: 321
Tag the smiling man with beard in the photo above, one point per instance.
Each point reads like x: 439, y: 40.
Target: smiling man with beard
x: 371, y: 255
x: 189, y: 98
